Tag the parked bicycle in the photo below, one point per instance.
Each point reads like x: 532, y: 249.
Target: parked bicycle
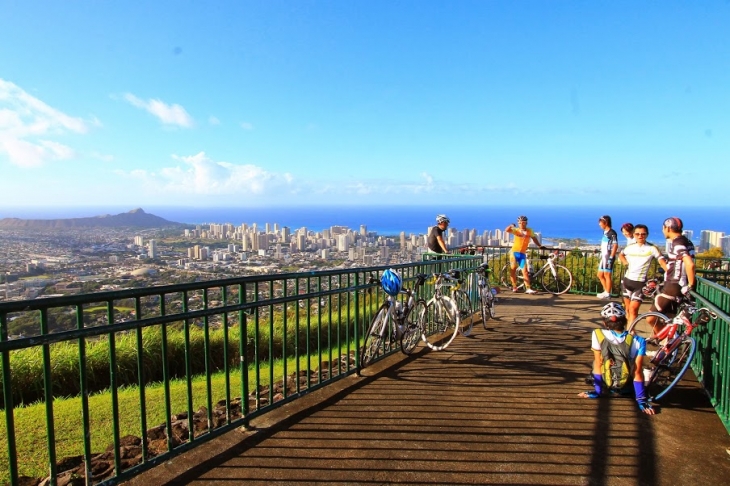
x: 487, y: 294
x: 393, y: 319
x: 554, y: 278
x: 463, y: 302
x: 669, y: 344
x: 441, y: 315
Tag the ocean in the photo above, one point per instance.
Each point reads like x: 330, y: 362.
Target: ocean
x: 552, y: 221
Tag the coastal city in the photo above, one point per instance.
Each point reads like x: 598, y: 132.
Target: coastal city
x: 52, y: 262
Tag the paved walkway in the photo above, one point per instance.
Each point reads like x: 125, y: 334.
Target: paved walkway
x: 499, y: 407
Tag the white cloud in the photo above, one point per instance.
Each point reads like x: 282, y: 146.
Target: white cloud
x: 212, y: 120
x: 200, y: 175
x: 168, y: 114
x: 247, y: 126
x: 26, y: 123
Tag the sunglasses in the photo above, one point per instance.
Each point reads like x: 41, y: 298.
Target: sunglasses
x: 640, y: 234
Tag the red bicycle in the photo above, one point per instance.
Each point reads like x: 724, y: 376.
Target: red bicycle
x: 669, y: 344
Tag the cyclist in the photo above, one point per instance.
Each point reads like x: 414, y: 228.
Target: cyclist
x: 679, y: 278
x: 614, y: 321
x: 435, y: 240
x: 627, y: 229
x: 637, y: 257
x: 609, y: 246
x: 517, y: 256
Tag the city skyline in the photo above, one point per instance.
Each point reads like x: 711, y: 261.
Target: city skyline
x: 277, y: 103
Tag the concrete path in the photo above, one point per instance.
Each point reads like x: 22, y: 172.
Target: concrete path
x: 499, y: 407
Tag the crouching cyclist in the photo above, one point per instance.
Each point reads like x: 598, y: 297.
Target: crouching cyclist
x: 617, y: 358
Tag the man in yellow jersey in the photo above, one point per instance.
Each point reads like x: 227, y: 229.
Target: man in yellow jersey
x: 517, y: 257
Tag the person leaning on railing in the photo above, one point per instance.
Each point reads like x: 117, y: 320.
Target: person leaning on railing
x: 435, y: 239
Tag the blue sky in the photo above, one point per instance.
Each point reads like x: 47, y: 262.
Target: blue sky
x: 240, y: 103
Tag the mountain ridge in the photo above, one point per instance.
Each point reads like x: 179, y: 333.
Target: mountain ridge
x: 136, y: 218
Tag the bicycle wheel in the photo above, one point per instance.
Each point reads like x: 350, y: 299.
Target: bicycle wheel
x: 414, y: 328
x: 442, y: 316
x: 486, y: 304
x: 645, y: 326
x: 559, y: 282
x: 371, y: 347
x: 670, y: 370
x: 466, y: 311
x: 504, y: 277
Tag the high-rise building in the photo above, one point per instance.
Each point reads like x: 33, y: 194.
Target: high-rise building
x: 363, y: 230
x: 152, y: 249
x: 709, y: 239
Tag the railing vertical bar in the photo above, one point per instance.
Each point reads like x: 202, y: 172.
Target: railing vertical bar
x: 48, y: 398
x: 84, y: 391
x: 207, y: 366
x: 319, y: 330
x: 329, y: 328
x: 113, y: 385
x: 256, y: 354
x: 166, y: 373
x: 188, y: 367
x: 226, y: 357
x: 357, y: 317
x: 141, y: 379
x: 308, y: 333
x: 8, y: 404
x: 271, y: 342
x: 296, y: 334
x: 243, y: 353
x: 284, y: 325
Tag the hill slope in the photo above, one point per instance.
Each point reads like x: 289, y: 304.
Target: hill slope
x: 135, y: 218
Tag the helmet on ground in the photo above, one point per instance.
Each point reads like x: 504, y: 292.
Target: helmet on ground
x: 521, y: 219
x: 391, y: 282
x: 442, y: 218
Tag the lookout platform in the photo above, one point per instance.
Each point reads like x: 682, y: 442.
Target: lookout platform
x: 498, y: 407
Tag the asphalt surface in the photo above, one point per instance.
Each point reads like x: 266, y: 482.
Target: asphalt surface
x: 498, y: 407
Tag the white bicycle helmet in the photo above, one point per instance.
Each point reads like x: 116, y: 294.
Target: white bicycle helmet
x: 612, y: 313
x: 521, y: 219
x: 442, y: 218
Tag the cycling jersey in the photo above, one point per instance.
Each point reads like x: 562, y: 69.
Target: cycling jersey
x: 522, y: 239
x: 677, y: 250
x: 639, y: 258
x: 608, y: 242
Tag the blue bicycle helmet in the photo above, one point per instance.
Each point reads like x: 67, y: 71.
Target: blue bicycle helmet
x: 391, y: 282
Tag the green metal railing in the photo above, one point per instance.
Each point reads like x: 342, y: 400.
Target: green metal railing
x: 203, y: 358
x: 197, y: 359
x: 712, y: 361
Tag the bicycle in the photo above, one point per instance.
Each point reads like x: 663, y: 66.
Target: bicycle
x: 463, y: 303
x: 441, y: 314
x: 554, y: 278
x: 487, y: 294
x: 392, y: 321
x: 671, y: 352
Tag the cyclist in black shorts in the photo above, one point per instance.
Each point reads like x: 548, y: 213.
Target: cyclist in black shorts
x: 679, y: 278
x: 637, y: 258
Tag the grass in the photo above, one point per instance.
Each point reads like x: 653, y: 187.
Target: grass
x: 30, y: 430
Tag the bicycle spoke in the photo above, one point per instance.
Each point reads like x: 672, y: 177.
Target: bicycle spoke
x: 415, y: 325
x: 556, y: 280
x: 377, y: 332
x: 466, y: 312
x: 670, y: 370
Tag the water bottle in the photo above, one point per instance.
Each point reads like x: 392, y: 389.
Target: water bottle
x: 398, y: 310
